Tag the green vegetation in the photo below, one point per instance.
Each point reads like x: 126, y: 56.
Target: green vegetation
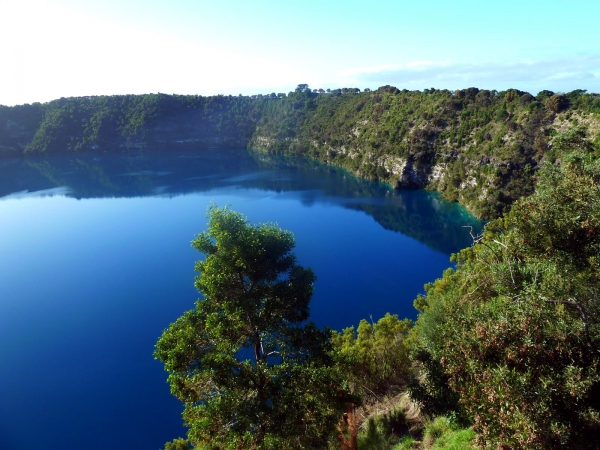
x: 251, y: 372
x: 479, y: 147
x: 377, y: 354
x: 405, y: 428
x: 514, y: 329
x: 110, y: 123
x: 504, y: 353
x: 441, y: 433
x: 178, y: 444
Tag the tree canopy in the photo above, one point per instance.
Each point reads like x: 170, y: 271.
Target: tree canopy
x: 249, y: 368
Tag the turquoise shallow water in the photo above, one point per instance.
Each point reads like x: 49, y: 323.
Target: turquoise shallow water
x: 95, y: 261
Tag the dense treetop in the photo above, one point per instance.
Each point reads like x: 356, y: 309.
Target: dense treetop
x: 250, y: 370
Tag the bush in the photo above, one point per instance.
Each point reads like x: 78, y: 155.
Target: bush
x: 557, y: 103
x: 377, y: 354
x: 515, y: 328
x: 178, y: 444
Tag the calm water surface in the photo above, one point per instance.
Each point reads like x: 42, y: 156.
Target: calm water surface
x: 95, y: 261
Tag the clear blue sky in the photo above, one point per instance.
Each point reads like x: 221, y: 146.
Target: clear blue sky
x: 62, y: 48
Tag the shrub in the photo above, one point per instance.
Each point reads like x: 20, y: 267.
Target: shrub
x: 516, y: 327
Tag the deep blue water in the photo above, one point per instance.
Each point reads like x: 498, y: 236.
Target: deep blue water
x: 95, y: 261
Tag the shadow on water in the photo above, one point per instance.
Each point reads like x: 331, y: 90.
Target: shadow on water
x: 419, y: 214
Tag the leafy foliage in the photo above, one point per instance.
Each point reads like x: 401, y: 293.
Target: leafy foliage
x: 428, y: 386
x: 178, y: 444
x: 251, y: 372
x: 377, y: 354
x: 479, y: 147
x: 515, y: 326
x: 110, y: 123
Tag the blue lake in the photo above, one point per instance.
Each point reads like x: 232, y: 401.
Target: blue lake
x: 95, y: 262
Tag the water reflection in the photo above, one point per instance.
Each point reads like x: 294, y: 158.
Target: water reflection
x: 88, y: 286
x: 422, y: 215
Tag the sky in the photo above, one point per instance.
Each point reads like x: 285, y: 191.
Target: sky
x: 65, y: 48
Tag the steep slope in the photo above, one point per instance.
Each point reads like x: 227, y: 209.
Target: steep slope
x: 480, y: 148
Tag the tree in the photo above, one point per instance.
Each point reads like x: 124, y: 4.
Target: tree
x: 251, y: 372
x: 557, y: 103
x: 543, y: 95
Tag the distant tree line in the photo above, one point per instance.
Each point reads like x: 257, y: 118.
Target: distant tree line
x: 479, y: 147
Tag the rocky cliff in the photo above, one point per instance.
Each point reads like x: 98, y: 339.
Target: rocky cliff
x: 480, y: 148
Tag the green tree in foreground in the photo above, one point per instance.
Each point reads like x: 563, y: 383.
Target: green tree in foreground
x: 515, y: 328
x: 251, y: 372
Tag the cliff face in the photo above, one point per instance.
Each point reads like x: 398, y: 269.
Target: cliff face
x: 480, y: 148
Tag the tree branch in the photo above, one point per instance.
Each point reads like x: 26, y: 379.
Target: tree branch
x: 580, y: 307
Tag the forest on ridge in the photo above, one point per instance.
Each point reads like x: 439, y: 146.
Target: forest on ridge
x: 478, y: 147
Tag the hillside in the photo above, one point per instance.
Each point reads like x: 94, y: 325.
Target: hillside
x: 128, y: 122
x: 478, y: 147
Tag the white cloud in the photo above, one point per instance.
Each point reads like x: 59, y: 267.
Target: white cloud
x: 560, y: 74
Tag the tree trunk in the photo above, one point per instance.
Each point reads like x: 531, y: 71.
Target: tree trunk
x: 348, y: 429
